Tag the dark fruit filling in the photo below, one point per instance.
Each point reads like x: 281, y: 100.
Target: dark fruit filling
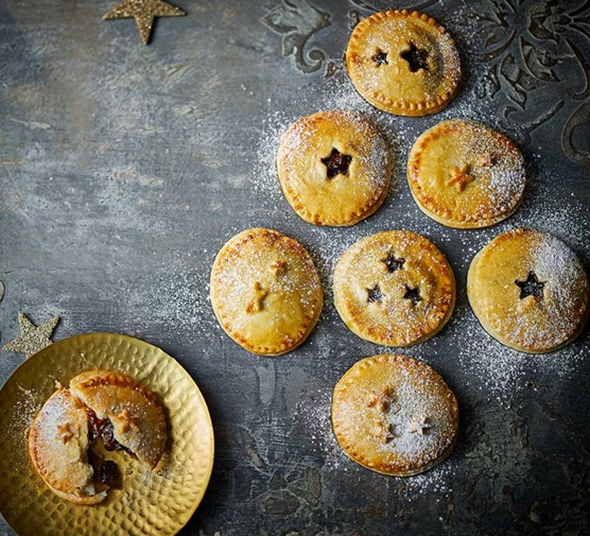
x: 416, y: 58
x: 337, y: 163
x: 109, y: 475
x: 103, y: 429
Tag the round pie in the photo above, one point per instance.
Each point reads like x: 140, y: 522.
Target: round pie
x: 334, y: 167
x: 265, y: 291
x: 394, y: 288
x: 403, y: 62
x: 529, y: 291
x: 464, y: 174
x: 395, y: 415
x: 99, y: 404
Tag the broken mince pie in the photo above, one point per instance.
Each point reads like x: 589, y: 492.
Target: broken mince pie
x: 98, y: 406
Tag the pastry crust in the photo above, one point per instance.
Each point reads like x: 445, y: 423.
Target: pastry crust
x: 529, y: 291
x: 58, y: 446
x: 403, y: 62
x: 394, y: 288
x: 137, y: 417
x: 265, y: 291
x: 464, y: 174
x: 395, y: 415
x: 318, y: 193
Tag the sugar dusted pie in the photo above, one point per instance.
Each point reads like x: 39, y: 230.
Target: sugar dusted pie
x: 394, y: 415
x: 334, y: 167
x: 464, y: 174
x: 394, y: 288
x: 403, y: 62
x: 265, y: 291
x: 99, y: 405
x: 529, y: 291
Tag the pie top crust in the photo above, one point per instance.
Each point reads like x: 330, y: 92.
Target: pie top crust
x: 464, y: 174
x: 138, y: 419
x: 394, y: 288
x: 403, y: 62
x: 265, y: 291
x: 58, y: 445
x: 529, y: 291
x: 395, y: 415
x: 334, y: 167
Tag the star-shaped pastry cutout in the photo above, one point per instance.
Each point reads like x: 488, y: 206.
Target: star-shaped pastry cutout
x: 380, y: 58
x: 384, y: 431
x: 486, y: 160
x: 416, y: 58
x: 413, y: 294
x: 531, y: 286
x: 65, y: 432
x: 383, y: 400
x: 255, y: 305
x: 279, y: 268
x: 337, y: 163
x: 460, y: 177
x: 374, y: 294
x: 127, y: 421
x: 33, y: 338
x: 144, y: 12
x: 392, y: 263
x: 420, y: 426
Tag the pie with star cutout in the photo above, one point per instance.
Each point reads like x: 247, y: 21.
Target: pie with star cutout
x: 403, y: 62
x: 394, y: 415
x: 529, y: 291
x: 464, y: 174
x: 394, y: 288
x: 98, y: 405
x: 265, y: 291
x: 334, y: 167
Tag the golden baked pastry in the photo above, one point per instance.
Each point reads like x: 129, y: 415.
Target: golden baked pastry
x: 529, y: 291
x: 99, y: 404
x: 394, y: 415
x: 334, y: 167
x: 265, y: 291
x: 403, y: 62
x: 394, y: 288
x: 464, y: 174
x: 136, y: 417
x: 58, y: 446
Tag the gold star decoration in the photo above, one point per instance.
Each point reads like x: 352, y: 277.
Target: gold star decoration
x: 33, y: 338
x: 144, y: 12
x: 460, y: 177
x: 420, y: 426
x: 66, y: 433
x: 255, y: 305
x: 127, y: 421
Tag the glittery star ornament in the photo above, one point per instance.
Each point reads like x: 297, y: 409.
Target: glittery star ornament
x: 33, y: 338
x: 144, y: 12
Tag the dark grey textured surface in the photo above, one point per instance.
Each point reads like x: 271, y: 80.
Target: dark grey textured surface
x: 124, y: 168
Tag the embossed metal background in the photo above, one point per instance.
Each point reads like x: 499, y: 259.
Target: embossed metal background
x: 125, y: 168
x: 158, y: 502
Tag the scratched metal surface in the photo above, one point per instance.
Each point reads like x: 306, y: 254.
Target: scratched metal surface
x: 124, y: 168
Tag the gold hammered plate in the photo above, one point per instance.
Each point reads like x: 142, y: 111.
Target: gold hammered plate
x: 150, y: 503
